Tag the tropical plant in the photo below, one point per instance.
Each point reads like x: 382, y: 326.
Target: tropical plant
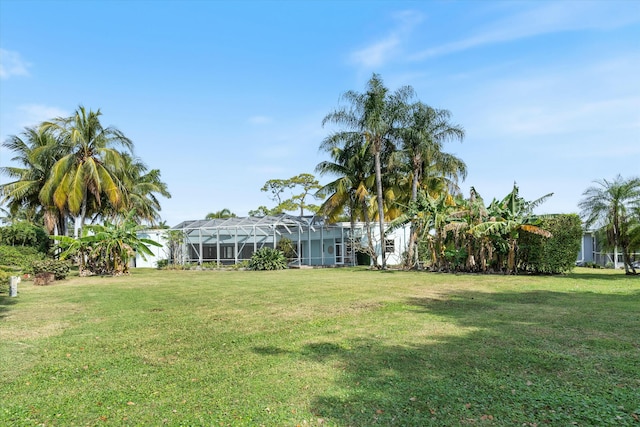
x: 267, y: 258
x: 143, y: 186
x: 456, y: 234
x: 353, y: 166
x: 612, y: 207
x: 36, y: 151
x: 106, y: 249
x: 374, y: 117
x: 221, y: 214
x: 91, y: 165
x: 423, y: 136
x: 175, y: 240
x: 508, y: 218
x: 25, y: 233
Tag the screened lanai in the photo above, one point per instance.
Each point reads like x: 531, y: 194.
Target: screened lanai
x: 233, y: 240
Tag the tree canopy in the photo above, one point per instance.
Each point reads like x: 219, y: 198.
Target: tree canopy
x: 74, y: 167
x: 614, y: 207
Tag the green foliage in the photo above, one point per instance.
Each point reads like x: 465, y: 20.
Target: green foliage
x: 286, y: 246
x: 221, y: 214
x: 305, y: 185
x: 4, y: 281
x: 19, y: 257
x: 75, y: 165
x: 25, y: 234
x: 106, y: 249
x: 556, y: 254
x: 162, y: 263
x: 267, y: 259
x: 175, y: 239
x: 59, y: 268
x: 613, y: 207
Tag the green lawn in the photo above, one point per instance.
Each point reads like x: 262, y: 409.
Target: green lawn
x: 331, y: 347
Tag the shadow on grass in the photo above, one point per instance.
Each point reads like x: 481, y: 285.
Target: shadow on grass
x: 5, y: 303
x: 514, y: 359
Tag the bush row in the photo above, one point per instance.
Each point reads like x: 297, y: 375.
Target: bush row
x: 556, y: 254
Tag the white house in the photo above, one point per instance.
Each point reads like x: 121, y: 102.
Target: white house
x: 316, y: 243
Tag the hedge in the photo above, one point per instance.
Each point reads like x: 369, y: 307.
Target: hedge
x: 553, y: 255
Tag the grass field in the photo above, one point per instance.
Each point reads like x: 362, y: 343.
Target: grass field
x: 331, y: 347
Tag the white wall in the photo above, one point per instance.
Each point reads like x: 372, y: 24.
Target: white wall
x: 159, y: 252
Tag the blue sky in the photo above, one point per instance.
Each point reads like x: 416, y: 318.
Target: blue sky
x: 222, y: 96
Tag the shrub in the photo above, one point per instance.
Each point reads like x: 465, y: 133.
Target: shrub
x: 556, y: 254
x: 242, y: 265
x: 4, y: 281
x: 267, y: 259
x: 25, y: 234
x: 286, y: 246
x: 59, y: 269
x: 162, y: 263
x: 19, y: 257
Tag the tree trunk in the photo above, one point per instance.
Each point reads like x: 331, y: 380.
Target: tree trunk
x: 413, y: 236
x: 411, y: 250
x: 367, y: 221
x: 380, y: 198
x: 511, y: 258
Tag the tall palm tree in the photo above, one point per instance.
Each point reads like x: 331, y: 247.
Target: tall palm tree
x: 352, y: 164
x: 609, y: 205
x: 374, y: 116
x: 423, y: 137
x: 89, y: 167
x: 36, y: 153
x: 141, y: 188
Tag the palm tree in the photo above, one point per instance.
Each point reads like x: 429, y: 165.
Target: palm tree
x: 90, y: 167
x: 224, y: 213
x: 36, y: 153
x: 374, y: 116
x: 350, y: 190
x: 142, y: 189
x: 609, y: 205
x: 423, y: 137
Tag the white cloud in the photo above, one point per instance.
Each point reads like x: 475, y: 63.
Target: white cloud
x: 12, y: 64
x: 260, y: 120
x: 551, y: 17
x: 34, y: 114
x: 13, y: 121
x: 385, y: 49
x: 376, y: 54
x: 603, y: 96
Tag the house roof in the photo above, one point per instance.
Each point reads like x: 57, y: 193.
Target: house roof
x: 251, y: 221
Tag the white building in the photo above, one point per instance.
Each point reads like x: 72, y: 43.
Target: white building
x: 316, y: 243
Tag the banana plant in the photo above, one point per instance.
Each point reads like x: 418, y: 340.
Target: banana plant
x: 509, y: 217
x: 106, y: 248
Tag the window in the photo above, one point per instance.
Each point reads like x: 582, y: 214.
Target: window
x: 227, y: 252
x: 389, y: 246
